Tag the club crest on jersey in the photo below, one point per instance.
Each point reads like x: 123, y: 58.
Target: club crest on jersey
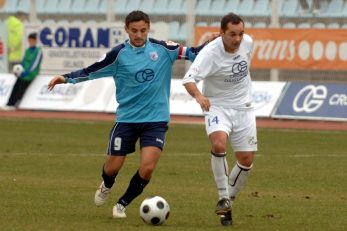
x: 153, y: 55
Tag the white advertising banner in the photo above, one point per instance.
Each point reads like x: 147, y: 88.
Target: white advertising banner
x: 3, y: 48
x: 88, y: 96
x: 67, y: 47
x: 265, y: 96
x: 7, y: 82
x: 99, y: 96
x: 181, y: 103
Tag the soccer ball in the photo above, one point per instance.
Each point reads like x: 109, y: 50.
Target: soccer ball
x: 17, y: 70
x: 154, y: 210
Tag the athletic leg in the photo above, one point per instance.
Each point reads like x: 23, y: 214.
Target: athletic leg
x: 122, y: 141
x: 109, y: 172
x: 220, y: 169
x: 149, y: 159
x: 152, y: 139
x: 240, y: 172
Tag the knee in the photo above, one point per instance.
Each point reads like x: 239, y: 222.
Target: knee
x: 146, y: 171
x: 218, y: 147
x: 245, y: 160
x: 246, y: 163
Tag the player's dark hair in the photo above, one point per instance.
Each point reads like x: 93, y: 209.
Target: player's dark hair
x: 32, y: 36
x: 135, y: 16
x: 230, y: 18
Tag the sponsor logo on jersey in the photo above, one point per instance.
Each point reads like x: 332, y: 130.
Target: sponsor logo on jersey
x: 146, y: 75
x: 239, y: 72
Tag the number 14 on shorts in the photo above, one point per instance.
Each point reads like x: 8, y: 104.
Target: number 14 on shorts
x: 212, y: 120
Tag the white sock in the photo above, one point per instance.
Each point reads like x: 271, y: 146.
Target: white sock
x: 220, y: 171
x: 238, y: 178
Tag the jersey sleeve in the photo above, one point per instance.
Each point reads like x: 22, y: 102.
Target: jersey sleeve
x: 106, y: 67
x: 189, y: 53
x: 177, y: 51
x: 200, y: 68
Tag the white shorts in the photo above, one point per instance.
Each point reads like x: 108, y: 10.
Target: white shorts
x: 240, y: 125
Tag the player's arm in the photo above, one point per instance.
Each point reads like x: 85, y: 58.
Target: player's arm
x: 194, y: 91
x: 202, y: 67
x: 190, y: 53
x: 105, y: 67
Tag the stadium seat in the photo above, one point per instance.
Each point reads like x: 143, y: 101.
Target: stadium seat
x: 78, y: 6
x: 201, y: 24
x: 10, y: 6
x: 259, y: 25
x: 77, y: 21
x: 119, y: 6
x: 183, y: 32
x: 262, y: 8
x: 49, y: 21
x: 304, y: 25
x: 333, y: 25
x: 318, y: 25
x: 93, y: 7
x: 133, y: 5
x: 215, y: 24
x: 231, y: 6
x: 289, y: 25
x: 65, y: 7
x: 161, y: 7
x: 147, y: 6
x: 246, y: 8
x: 334, y: 9
x: 248, y: 24
x: 218, y: 7
x: 173, y: 30
x: 203, y: 7
x: 51, y: 7
x: 289, y: 8
x: 344, y: 10
x: 40, y: 5
x: 23, y: 5
x: 176, y: 7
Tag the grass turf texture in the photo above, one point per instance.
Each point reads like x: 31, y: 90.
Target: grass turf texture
x: 50, y: 169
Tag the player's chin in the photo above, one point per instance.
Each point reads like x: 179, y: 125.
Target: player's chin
x: 139, y: 43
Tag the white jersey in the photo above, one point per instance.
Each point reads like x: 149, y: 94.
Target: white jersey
x: 226, y: 76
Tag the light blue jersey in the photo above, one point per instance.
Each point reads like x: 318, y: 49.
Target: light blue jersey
x: 142, y: 77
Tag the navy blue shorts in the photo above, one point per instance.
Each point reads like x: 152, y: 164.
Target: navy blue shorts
x: 123, y: 137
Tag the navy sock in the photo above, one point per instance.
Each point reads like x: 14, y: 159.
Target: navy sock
x: 135, y: 188
x: 108, y: 180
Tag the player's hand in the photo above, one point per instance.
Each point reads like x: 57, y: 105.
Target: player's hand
x: 204, y: 102
x: 56, y: 80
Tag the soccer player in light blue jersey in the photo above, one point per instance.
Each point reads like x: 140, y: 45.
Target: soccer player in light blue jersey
x: 141, y: 68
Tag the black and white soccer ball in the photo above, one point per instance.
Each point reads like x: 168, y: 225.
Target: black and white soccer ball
x: 154, y: 210
x: 17, y: 70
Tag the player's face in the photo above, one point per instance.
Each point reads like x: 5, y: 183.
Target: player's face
x: 137, y: 32
x: 232, y: 36
x: 32, y: 42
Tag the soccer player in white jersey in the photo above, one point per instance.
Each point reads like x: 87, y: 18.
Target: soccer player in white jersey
x: 226, y: 100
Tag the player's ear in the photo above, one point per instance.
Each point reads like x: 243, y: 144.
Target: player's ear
x: 221, y: 31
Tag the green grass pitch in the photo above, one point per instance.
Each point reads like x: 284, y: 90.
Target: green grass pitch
x: 50, y: 169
